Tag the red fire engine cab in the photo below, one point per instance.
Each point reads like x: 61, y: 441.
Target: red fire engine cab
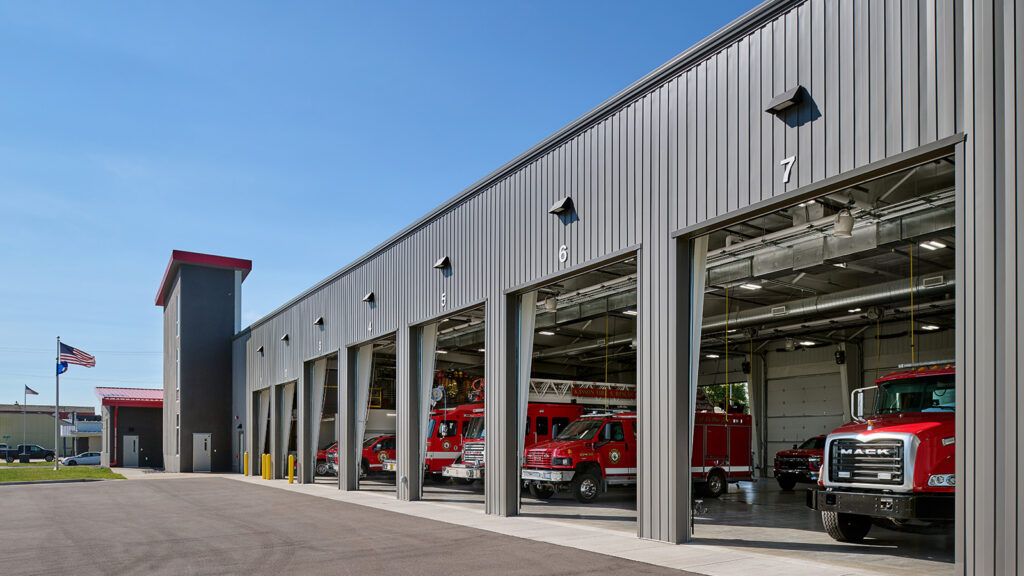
x: 897, y: 466
x: 600, y: 450
x: 444, y: 437
x: 544, y: 421
x: 376, y: 451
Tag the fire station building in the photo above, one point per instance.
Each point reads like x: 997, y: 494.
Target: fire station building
x: 808, y: 219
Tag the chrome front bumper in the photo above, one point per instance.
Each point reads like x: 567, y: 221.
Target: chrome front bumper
x: 463, y: 471
x: 548, y: 475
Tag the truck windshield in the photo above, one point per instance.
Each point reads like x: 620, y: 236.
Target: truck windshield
x: 475, y: 431
x: 580, y: 430
x: 921, y: 394
x: 813, y: 444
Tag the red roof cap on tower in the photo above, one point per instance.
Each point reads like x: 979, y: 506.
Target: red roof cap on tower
x: 179, y: 257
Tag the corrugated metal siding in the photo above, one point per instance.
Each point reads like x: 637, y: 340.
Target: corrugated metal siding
x: 172, y: 302
x: 694, y: 146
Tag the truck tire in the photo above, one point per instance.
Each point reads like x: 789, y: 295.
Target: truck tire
x: 844, y: 527
x: 585, y: 487
x: 364, y: 467
x: 716, y: 484
x: 541, y: 492
x: 321, y: 467
x: 49, y: 458
x: 787, y: 483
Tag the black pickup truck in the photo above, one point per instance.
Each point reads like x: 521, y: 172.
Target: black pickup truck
x: 34, y: 452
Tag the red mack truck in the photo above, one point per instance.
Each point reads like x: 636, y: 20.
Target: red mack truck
x: 896, y: 467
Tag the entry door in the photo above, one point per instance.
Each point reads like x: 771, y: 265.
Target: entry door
x: 131, y: 452
x: 201, y: 451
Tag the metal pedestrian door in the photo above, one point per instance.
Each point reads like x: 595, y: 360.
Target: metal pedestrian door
x: 201, y: 451
x: 131, y: 452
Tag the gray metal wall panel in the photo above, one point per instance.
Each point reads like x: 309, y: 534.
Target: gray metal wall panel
x: 635, y: 180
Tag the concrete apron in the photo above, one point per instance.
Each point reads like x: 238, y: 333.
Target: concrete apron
x: 700, y: 558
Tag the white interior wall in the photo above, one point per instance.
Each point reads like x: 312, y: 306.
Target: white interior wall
x: 803, y: 395
x: 882, y: 356
x: 378, y: 422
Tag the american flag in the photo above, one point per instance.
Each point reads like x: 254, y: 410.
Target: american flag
x: 73, y: 355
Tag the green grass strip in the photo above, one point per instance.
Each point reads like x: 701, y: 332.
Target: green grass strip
x: 37, y: 473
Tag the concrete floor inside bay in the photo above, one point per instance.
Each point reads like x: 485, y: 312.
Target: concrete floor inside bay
x: 755, y: 516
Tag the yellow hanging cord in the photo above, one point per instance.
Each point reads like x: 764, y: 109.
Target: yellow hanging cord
x: 911, y: 303
x: 728, y: 388
x: 606, y: 328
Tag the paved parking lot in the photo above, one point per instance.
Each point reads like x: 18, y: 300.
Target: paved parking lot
x: 208, y: 525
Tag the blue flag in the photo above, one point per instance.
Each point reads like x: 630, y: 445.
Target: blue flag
x: 62, y: 367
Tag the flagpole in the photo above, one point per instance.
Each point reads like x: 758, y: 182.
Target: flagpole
x: 56, y: 414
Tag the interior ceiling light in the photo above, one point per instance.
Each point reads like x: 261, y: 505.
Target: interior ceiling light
x: 712, y: 356
x: 840, y: 265
x: 440, y: 351
x: 807, y: 343
x: 853, y: 310
x: 481, y: 349
x: 929, y: 327
x: 750, y: 286
x: 843, y: 224
x: 546, y: 333
x: 932, y: 245
x: 630, y: 312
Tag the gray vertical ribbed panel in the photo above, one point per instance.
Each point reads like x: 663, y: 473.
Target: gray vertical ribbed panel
x: 170, y: 410
x: 688, y: 143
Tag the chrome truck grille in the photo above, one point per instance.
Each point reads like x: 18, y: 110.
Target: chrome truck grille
x: 473, y: 452
x: 876, y: 462
x: 538, y: 458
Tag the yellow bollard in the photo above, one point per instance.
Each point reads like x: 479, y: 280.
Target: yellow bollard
x: 267, y: 470
x: 263, y: 466
x: 291, y: 468
x: 245, y: 464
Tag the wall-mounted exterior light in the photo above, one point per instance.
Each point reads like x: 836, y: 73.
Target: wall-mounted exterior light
x: 260, y: 350
x: 562, y: 206
x: 319, y: 321
x: 785, y: 101
x: 442, y: 263
x: 369, y: 297
x: 284, y: 338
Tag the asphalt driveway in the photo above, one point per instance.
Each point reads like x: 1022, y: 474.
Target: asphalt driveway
x: 219, y: 526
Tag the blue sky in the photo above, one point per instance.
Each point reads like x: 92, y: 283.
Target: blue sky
x: 268, y: 131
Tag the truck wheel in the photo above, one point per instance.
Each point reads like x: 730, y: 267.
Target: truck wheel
x: 716, y: 484
x: 585, y: 487
x: 786, y: 483
x: 541, y: 492
x: 846, y: 527
x: 321, y: 467
x: 49, y: 457
x: 364, y: 468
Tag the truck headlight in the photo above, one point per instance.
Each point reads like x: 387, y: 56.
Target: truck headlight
x: 561, y: 461
x: 942, y: 480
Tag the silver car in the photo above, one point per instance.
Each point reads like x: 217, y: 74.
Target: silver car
x: 84, y: 459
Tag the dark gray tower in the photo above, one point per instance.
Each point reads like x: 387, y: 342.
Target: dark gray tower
x: 201, y: 297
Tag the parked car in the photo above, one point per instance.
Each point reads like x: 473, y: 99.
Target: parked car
x: 800, y: 464
x: 322, y: 458
x: 34, y: 452
x: 83, y: 459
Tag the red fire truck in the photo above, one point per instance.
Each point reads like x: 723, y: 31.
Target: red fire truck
x: 444, y: 437
x: 897, y: 466
x: 544, y: 421
x: 376, y: 451
x: 600, y: 450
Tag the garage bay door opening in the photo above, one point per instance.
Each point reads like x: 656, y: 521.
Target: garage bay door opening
x: 578, y: 414
x: 321, y: 383
x: 827, y: 354
x: 453, y: 463
x: 376, y: 415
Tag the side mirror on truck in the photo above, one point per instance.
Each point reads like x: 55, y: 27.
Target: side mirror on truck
x: 857, y: 403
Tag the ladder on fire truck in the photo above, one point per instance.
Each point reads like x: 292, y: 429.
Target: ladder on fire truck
x: 582, y: 392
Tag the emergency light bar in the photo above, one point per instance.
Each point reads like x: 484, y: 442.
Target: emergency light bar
x: 932, y: 363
